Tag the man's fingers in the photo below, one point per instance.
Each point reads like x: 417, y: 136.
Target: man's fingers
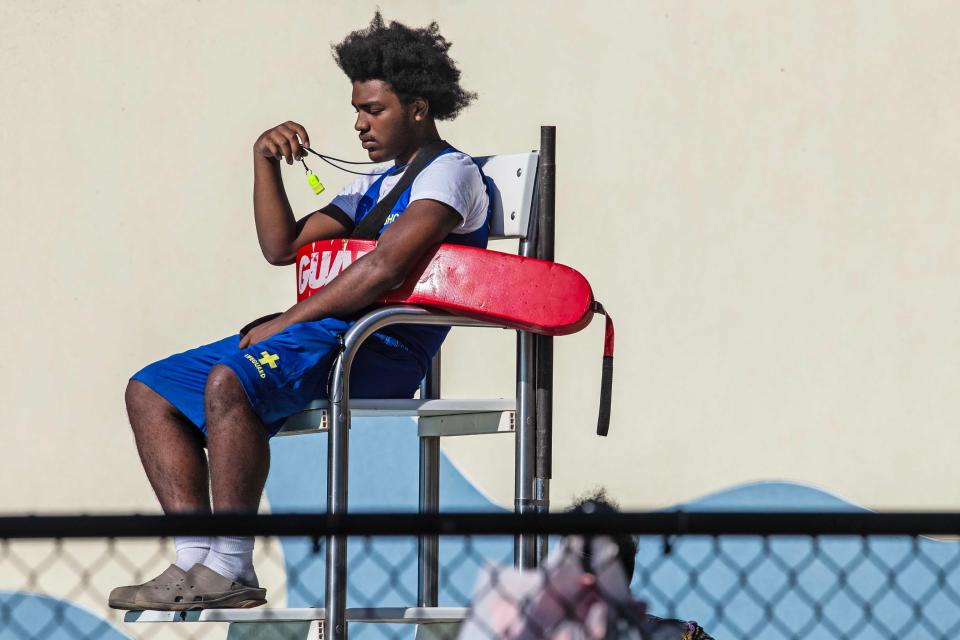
x: 291, y: 130
x: 283, y: 144
x: 267, y: 147
x: 273, y: 147
x: 285, y: 140
x: 287, y: 148
x: 249, y: 338
x: 301, y: 132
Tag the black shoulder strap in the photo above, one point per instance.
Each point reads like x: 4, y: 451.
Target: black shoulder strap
x: 369, y: 227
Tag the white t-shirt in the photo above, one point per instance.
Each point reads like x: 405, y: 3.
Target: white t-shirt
x: 452, y: 179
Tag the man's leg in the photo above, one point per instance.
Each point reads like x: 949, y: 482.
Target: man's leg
x: 171, y: 451
x: 237, y: 442
x: 239, y: 462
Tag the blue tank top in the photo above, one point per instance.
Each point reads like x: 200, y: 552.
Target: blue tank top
x: 423, y: 341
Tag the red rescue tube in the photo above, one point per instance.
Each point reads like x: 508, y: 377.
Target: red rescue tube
x: 521, y: 293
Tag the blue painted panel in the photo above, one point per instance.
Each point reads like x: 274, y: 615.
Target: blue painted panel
x: 29, y: 615
x: 384, y: 476
x: 795, y: 586
x: 745, y: 587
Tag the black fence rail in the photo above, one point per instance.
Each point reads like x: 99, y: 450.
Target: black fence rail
x: 725, y: 575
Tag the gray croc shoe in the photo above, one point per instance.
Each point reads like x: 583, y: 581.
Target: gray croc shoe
x: 159, y: 591
x: 207, y: 589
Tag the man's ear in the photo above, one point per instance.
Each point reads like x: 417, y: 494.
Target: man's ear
x: 421, y: 109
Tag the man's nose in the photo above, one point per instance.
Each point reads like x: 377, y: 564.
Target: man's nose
x: 361, y: 123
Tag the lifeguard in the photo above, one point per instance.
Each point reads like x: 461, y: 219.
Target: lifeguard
x: 232, y: 395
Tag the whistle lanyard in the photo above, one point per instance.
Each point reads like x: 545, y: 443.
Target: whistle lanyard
x: 318, y: 187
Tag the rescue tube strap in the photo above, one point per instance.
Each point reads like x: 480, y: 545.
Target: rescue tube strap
x: 606, y: 374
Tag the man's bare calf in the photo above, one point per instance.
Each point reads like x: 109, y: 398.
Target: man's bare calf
x: 237, y: 442
x: 171, y: 450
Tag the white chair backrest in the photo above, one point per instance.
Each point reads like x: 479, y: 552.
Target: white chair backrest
x: 511, y: 179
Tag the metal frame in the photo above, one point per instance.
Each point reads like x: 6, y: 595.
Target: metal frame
x: 428, y: 547
x: 533, y: 454
x: 338, y: 452
x: 545, y: 239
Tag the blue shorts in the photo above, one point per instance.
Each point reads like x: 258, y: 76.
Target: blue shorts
x: 285, y: 372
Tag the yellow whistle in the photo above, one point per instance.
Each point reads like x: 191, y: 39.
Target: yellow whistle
x: 315, y: 183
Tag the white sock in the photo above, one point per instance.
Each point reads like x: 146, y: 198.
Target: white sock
x: 191, y: 550
x: 232, y: 557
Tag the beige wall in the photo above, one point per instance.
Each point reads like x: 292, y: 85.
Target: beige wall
x: 764, y: 195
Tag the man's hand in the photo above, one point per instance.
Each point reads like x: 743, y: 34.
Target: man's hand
x: 263, y: 331
x: 281, y: 142
x: 278, y: 231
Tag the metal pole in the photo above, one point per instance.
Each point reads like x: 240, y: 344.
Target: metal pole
x: 335, y: 599
x: 337, y: 466
x: 546, y: 226
x: 526, y: 435
x: 428, y: 547
x: 524, y: 548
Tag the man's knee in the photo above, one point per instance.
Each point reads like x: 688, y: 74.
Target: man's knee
x: 140, y: 398
x: 223, y: 392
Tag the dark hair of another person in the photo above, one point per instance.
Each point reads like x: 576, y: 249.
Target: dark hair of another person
x: 626, y: 544
x: 414, y: 62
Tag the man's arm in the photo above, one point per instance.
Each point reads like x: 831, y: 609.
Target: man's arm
x: 279, y: 233
x: 424, y: 224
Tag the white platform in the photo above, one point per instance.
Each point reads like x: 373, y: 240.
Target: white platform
x: 386, y: 615
x: 443, y: 417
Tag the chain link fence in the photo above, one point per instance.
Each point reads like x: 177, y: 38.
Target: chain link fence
x: 789, y: 576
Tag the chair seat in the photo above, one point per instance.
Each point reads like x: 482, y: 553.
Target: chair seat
x: 438, y: 417
x: 391, y: 615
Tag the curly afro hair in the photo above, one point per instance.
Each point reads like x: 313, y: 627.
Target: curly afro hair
x: 414, y: 62
x: 598, y: 501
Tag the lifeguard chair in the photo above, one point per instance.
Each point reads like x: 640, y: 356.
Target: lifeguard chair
x: 522, y: 187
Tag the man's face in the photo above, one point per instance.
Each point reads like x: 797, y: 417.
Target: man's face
x: 384, y: 123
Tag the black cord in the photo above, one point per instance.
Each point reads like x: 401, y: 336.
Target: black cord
x: 320, y: 155
x: 357, y: 173
x: 328, y: 160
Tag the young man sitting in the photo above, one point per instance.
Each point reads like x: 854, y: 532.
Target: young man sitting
x: 231, y: 396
